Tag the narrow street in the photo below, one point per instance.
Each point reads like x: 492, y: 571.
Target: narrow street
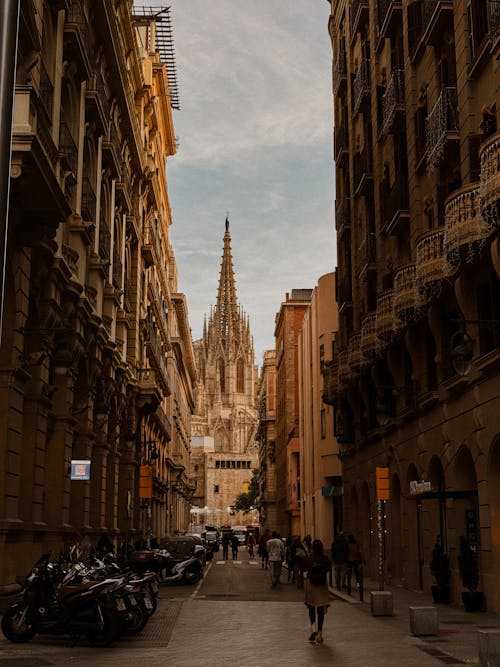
x: 233, y: 616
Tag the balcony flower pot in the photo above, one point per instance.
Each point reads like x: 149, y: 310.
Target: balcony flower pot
x: 440, y: 570
x: 472, y: 599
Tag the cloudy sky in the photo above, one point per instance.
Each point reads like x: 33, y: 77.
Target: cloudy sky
x: 255, y: 140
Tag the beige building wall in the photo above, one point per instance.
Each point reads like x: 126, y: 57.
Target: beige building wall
x: 320, y: 466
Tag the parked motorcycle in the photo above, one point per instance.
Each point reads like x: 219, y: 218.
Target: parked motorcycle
x: 48, y: 607
x: 188, y: 571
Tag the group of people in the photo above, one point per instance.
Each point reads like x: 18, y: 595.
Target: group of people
x: 309, y: 568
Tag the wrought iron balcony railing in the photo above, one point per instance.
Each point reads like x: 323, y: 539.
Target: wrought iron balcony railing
x: 68, y: 150
x: 395, y: 202
x: 339, y: 71
x: 386, y: 323
x: 441, y: 124
x: 489, y: 188
x: 104, y: 241
x: 342, y: 216
x: 88, y: 200
x: 366, y: 254
x: 465, y: 231
x: 393, y: 100
x: 407, y: 300
x: 363, y: 169
x: 46, y: 92
x: 361, y: 84
x: 431, y: 264
x: 370, y: 343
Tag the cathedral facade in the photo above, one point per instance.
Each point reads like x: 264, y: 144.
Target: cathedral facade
x: 224, y: 450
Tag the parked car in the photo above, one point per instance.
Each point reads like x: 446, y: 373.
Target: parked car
x: 212, y: 539
x: 181, y: 547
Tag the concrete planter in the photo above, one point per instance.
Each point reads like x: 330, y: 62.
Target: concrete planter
x: 382, y: 603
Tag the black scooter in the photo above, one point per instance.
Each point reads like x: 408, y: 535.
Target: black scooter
x: 49, y: 608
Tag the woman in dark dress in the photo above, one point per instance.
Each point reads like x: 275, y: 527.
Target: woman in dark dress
x: 317, y: 566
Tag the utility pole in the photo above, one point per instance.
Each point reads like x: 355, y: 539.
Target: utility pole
x: 9, y: 22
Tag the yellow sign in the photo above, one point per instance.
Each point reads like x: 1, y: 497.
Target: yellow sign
x: 382, y: 482
x: 145, y: 482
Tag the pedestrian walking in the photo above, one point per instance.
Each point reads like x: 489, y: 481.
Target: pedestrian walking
x: 234, y: 546
x: 299, y: 553
x: 340, y: 554
x: 317, y: 597
x: 289, y: 558
x: 226, y: 541
x: 263, y: 540
x: 355, y: 558
x: 251, y: 544
x: 276, y: 554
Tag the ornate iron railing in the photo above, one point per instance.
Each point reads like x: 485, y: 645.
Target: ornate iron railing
x: 361, y: 84
x: 88, y: 200
x: 393, y: 99
x: 442, y: 119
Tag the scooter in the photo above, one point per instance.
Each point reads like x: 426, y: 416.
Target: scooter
x: 188, y: 571
x: 47, y: 607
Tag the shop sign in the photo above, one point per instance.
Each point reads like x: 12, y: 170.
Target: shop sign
x: 419, y: 487
x: 80, y: 470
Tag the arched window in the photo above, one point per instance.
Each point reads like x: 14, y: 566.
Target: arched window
x: 222, y: 377
x: 240, y: 376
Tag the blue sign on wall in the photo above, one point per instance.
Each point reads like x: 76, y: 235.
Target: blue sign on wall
x: 80, y: 470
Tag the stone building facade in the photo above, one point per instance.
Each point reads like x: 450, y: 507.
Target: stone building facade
x: 415, y: 379
x: 96, y: 360
x: 226, y: 401
x: 286, y: 334
x: 266, y: 437
x: 320, y: 466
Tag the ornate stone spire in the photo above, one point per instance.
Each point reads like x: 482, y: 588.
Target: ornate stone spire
x: 226, y: 315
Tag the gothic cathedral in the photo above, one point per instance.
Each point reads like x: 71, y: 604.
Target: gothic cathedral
x: 224, y: 450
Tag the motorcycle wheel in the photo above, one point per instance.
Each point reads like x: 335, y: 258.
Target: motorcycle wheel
x: 102, y: 637
x: 138, y: 619
x: 192, y: 576
x: 15, y: 630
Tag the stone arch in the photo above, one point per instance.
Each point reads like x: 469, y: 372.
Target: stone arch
x: 394, y: 529
x: 494, y: 498
x: 466, y: 508
x: 413, y: 532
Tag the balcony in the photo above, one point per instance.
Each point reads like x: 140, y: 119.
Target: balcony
x: 494, y: 25
x: 366, y: 255
x: 370, y: 343
x: 158, y: 357
x: 363, y: 171
x: 46, y: 93
x: 359, y: 14
x: 441, y: 126
x: 428, y: 20
x: 386, y: 323
x: 389, y: 16
x: 148, y: 396
x: 344, y: 293
x: 361, y: 86
x: 68, y: 151
x: 98, y: 102
x: 330, y: 381
x: 407, y: 301
x: 163, y: 421
x: 489, y: 188
x: 393, y: 101
x: 104, y: 241
x: 466, y: 233
x: 124, y: 188
x: 342, y: 217
x: 339, y: 74
x: 78, y: 39
x: 344, y: 371
x: 355, y: 357
x: 432, y: 267
x: 117, y: 273
x: 395, y: 213
x: 88, y: 200
x: 341, y: 144
x: 159, y: 311
x: 111, y: 150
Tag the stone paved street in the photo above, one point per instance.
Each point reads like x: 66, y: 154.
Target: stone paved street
x: 235, y: 617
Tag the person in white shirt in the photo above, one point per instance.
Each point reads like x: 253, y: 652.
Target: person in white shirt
x: 276, y: 554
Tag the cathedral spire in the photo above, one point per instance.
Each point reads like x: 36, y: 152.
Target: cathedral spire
x: 226, y: 309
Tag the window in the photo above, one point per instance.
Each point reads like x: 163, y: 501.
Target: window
x: 323, y: 423
x: 240, y: 376
x: 216, y: 488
